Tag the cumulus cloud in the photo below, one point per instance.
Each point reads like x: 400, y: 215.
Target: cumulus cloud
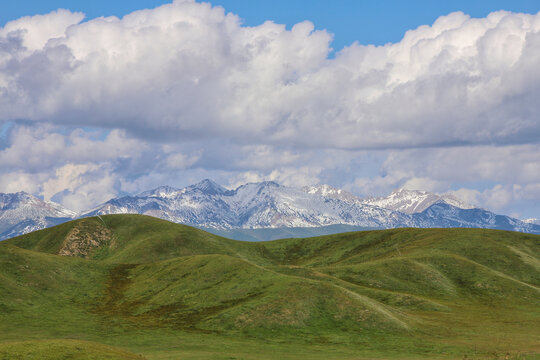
x: 186, y: 91
x: 15, y: 181
x: 499, y: 178
x: 40, y: 147
x: 79, y: 187
x: 188, y: 69
x: 519, y: 164
x: 288, y: 176
x: 35, y: 31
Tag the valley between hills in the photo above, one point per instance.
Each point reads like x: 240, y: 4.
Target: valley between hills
x: 137, y: 287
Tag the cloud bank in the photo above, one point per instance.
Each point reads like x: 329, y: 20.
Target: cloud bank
x: 186, y: 90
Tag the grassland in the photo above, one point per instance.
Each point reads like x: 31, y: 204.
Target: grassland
x: 128, y: 285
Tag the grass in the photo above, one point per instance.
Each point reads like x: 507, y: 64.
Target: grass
x: 63, y: 349
x: 167, y: 291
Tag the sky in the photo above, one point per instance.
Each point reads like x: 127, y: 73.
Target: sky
x: 100, y: 99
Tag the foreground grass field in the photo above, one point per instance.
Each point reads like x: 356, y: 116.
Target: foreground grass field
x: 131, y: 286
x: 63, y: 349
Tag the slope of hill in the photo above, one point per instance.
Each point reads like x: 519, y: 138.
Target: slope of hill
x: 165, y: 290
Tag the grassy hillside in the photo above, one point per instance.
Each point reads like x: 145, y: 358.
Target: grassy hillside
x: 63, y: 349
x: 170, y: 291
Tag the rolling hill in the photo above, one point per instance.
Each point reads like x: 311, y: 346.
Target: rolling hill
x: 147, y: 286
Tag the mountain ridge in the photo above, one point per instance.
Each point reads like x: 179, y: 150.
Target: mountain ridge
x: 22, y: 213
x: 265, y: 205
x: 414, y: 201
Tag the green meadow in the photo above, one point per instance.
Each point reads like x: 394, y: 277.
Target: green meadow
x: 136, y: 287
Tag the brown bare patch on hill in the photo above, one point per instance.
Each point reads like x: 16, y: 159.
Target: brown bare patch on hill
x: 85, y: 237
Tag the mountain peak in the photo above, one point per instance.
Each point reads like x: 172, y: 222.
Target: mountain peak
x: 268, y: 184
x: 208, y: 186
x: 321, y: 189
x: 17, y: 199
x: 415, y: 201
x: 533, y: 221
x: 259, y: 185
x: 265, y: 205
x: 331, y: 192
x: 22, y: 212
x: 162, y: 191
x: 403, y: 191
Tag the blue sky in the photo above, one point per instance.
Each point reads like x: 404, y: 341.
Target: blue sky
x: 368, y: 22
x: 93, y: 109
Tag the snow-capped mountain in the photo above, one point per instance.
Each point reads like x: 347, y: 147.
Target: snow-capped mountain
x: 254, y: 205
x: 331, y: 192
x: 270, y: 205
x: 414, y: 201
x: 266, y: 205
x: 532, y: 221
x: 21, y: 213
x: 442, y: 214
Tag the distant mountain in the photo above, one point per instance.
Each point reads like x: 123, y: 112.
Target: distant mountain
x: 250, y: 206
x: 268, y: 205
x: 414, y: 201
x: 443, y: 215
x: 246, y: 211
x: 21, y: 213
x: 532, y: 221
x: 331, y: 192
x: 266, y: 234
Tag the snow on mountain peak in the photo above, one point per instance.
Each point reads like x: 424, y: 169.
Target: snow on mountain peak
x: 266, y: 205
x: 22, y: 212
x: 162, y: 191
x: 209, y: 187
x: 414, y: 201
x: 533, y: 221
x: 322, y: 189
x: 331, y: 192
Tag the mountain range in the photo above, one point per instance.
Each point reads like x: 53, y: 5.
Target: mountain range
x: 255, y: 208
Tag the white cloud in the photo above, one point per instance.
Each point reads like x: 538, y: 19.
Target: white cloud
x: 377, y: 185
x: 496, y: 178
x: 189, y: 70
x: 20, y: 181
x: 37, y: 30
x: 180, y: 161
x: 80, y: 186
x: 40, y: 147
x: 68, y: 177
x: 98, y: 189
x: 424, y: 183
x: 518, y: 164
x: 288, y: 176
x: 496, y: 198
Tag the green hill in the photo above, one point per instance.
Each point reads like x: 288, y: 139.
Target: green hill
x: 170, y: 291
